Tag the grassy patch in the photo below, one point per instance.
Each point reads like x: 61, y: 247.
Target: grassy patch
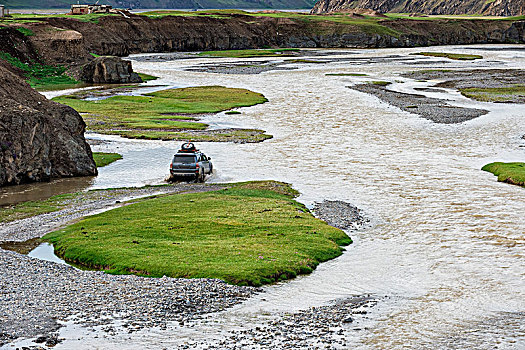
x: 232, y: 112
x: 504, y: 94
x: 250, y: 53
x: 252, y: 233
x: 380, y: 83
x: 164, y: 114
x: 452, y: 56
x: 228, y: 135
x: 25, y: 31
x: 346, y: 74
x: 32, y: 17
x: 512, y: 173
x: 302, y: 60
x: 32, y: 208
x: 146, y: 77
x: 41, y: 76
x: 102, y: 159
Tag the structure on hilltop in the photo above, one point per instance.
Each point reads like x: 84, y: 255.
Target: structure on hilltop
x: 87, y: 9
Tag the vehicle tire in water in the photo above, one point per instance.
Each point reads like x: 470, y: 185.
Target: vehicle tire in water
x: 200, y: 177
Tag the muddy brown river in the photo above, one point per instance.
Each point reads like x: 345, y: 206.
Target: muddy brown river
x: 445, y: 253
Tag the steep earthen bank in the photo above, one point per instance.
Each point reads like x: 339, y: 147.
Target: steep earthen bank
x: 121, y: 36
x: 39, y: 139
x: 431, y: 7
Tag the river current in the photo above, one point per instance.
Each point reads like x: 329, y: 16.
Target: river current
x: 445, y: 252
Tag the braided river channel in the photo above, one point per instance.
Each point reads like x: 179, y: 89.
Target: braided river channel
x: 444, y: 252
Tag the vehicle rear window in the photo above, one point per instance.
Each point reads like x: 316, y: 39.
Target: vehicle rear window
x: 184, y: 159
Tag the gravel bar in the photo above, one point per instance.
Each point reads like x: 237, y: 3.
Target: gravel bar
x: 36, y: 296
x: 433, y: 109
x: 324, y: 327
x: 340, y: 214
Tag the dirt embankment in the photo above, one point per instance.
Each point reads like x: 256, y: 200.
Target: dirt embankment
x: 431, y: 7
x: 121, y: 36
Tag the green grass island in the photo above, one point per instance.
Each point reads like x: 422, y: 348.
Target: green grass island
x: 250, y: 233
x: 512, y: 173
x: 170, y: 114
x: 103, y: 158
x: 452, y: 56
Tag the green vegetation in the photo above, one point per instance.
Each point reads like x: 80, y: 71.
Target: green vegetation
x: 346, y: 74
x: 512, y: 173
x: 251, y: 233
x: 25, y: 31
x: 232, y: 112
x: 503, y: 94
x: 94, y: 54
x: 302, y: 60
x: 250, y: 53
x: 367, y: 24
x: 41, y: 76
x: 102, y: 159
x: 423, y: 17
x: 32, y: 17
x: 165, y: 114
x: 380, y: 83
x: 32, y: 208
x: 146, y: 77
x: 452, y: 56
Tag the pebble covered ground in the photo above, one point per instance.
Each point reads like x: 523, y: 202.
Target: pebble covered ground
x: 323, y: 327
x: 36, y: 295
x: 340, y: 214
x: 434, y: 109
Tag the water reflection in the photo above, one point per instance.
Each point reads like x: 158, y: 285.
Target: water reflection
x: 36, y: 191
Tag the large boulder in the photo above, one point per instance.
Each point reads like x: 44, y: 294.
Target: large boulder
x: 110, y: 70
x: 39, y: 139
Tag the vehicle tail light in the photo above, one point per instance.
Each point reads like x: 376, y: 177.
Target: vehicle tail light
x: 197, y: 166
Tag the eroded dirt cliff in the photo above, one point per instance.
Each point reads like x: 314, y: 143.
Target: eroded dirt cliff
x: 431, y: 7
x: 119, y: 36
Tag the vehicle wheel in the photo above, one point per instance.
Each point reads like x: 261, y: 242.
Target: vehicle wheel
x: 200, y: 177
x: 211, y: 169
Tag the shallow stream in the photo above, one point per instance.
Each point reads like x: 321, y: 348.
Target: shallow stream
x: 445, y: 256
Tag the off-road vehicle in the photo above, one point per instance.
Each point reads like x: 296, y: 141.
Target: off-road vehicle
x: 191, y: 164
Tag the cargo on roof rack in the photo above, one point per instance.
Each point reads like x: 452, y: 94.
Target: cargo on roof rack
x: 188, y: 147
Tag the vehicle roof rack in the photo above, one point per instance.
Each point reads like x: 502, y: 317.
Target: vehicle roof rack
x: 188, y: 147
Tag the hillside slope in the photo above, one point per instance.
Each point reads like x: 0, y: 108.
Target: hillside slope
x: 431, y: 7
x: 167, y: 4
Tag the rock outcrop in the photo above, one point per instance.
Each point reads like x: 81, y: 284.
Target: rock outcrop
x: 430, y: 7
x: 39, y: 139
x: 108, y: 70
